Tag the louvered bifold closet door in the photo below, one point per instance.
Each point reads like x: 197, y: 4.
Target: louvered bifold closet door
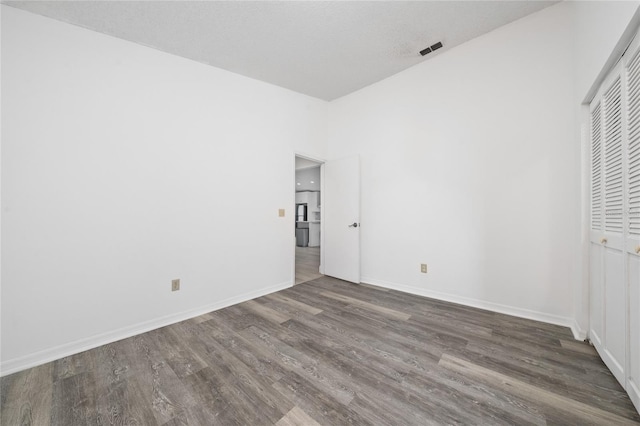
x: 632, y: 237
x: 614, y: 254
x: 633, y: 150
x: 596, y: 252
x: 612, y: 344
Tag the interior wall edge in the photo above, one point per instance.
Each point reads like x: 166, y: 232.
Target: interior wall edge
x: 51, y: 354
x: 483, y: 304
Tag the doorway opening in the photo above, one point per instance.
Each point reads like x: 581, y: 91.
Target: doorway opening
x: 308, y: 219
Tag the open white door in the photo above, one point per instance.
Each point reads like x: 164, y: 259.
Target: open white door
x: 341, y: 216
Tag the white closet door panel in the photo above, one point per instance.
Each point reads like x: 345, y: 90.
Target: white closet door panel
x: 633, y: 148
x: 632, y: 237
x: 612, y: 300
x: 633, y: 382
x: 615, y: 309
x: 596, y: 282
x: 613, y: 171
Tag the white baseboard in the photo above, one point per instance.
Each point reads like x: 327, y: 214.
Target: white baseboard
x: 578, y: 332
x: 634, y: 394
x: 17, y: 364
x: 481, y: 304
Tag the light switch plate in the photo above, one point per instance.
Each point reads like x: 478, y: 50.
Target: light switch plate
x: 423, y: 268
x: 175, y: 285
x: 281, y: 212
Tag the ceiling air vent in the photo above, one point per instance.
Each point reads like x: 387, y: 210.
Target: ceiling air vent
x: 431, y: 48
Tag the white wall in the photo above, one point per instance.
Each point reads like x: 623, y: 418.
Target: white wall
x: 597, y: 25
x: 467, y: 166
x: 123, y: 168
x: 1, y: 9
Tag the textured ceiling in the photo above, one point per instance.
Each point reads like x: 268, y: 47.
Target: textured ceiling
x: 324, y: 49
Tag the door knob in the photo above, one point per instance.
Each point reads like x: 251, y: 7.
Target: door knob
x: 638, y: 250
x: 603, y: 241
x: 353, y: 225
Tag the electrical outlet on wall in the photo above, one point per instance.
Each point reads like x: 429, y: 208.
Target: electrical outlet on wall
x: 175, y: 285
x: 423, y: 268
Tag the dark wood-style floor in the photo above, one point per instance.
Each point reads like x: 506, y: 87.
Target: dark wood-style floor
x: 307, y: 264
x: 332, y: 353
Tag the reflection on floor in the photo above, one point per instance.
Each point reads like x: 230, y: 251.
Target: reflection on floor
x: 307, y: 264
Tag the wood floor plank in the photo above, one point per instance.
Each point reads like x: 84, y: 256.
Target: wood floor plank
x: 307, y: 264
x: 194, y: 416
x: 214, y: 393
x: 581, y: 347
x: 403, y: 372
x: 240, y: 317
x: 306, y: 293
x: 393, y: 345
x: 568, y: 377
x: 491, y: 406
x: 297, y: 417
x: 394, y: 371
x: 29, y: 397
x: 265, y: 312
x: 158, y: 385
x: 304, y: 365
x: 328, y: 352
x: 74, y: 400
x: 576, y: 409
x: 284, y: 308
x: 72, y: 365
x: 117, y: 390
x: 257, y: 357
x: 318, y: 404
x: 240, y: 377
x: 357, y: 302
x: 255, y: 388
x: 177, y: 353
x: 294, y: 303
x: 392, y: 363
x: 198, y: 342
x: 237, y: 395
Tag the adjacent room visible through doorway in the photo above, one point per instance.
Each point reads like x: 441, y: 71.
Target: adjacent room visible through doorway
x: 308, y: 219
x: 307, y: 264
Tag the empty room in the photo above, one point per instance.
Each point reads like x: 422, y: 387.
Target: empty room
x: 319, y: 212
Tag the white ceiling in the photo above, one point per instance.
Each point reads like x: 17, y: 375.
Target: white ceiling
x: 325, y: 49
x: 303, y: 163
x: 308, y: 179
